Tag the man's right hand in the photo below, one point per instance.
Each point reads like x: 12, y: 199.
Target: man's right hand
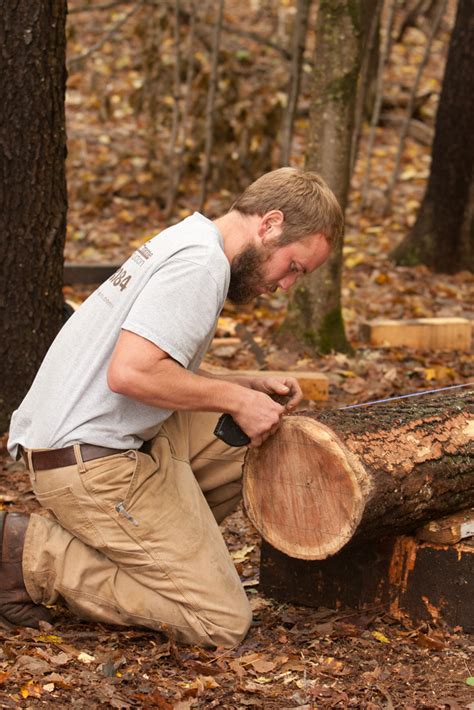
x: 259, y: 416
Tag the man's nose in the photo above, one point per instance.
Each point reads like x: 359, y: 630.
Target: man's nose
x: 287, y: 282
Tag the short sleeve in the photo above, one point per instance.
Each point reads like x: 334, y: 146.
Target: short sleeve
x: 177, y: 309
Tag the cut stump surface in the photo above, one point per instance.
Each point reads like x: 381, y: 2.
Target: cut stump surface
x: 326, y: 478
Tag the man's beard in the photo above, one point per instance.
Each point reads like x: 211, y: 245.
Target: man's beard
x: 246, y: 274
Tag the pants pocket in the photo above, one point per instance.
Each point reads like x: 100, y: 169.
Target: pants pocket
x: 71, y: 515
x: 110, y: 480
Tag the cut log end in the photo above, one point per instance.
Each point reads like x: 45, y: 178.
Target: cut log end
x: 304, y: 491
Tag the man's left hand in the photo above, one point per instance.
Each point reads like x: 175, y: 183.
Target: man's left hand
x: 286, y: 386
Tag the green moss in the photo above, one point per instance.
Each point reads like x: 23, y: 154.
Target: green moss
x: 354, y: 12
x: 299, y: 322
x: 334, y: 11
x: 331, y: 333
x: 344, y: 87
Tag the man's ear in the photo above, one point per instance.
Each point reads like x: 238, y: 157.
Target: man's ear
x: 271, y: 224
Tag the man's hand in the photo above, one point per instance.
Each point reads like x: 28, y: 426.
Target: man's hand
x: 259, y: 417
x: 287, y: 386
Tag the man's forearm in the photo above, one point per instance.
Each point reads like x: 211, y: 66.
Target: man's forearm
x: 140, y: 370
x: 242, y: 380
x: 170, y: 386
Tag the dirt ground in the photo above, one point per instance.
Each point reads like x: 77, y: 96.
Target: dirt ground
x: 293, y: 657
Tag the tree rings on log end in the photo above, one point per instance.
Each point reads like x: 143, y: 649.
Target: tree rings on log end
x: 304, y: 491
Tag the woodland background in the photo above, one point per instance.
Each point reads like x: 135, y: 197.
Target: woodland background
x: 158, y: 125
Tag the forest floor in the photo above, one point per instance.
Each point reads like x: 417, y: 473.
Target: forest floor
x: 293, y: 656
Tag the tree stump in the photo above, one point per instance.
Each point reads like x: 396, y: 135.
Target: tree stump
x: 423, y: 580
x: 328, y: 478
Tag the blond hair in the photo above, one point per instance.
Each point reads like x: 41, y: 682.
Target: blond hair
x: 307, y: 203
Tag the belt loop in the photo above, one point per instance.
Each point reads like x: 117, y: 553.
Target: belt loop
x: 29, y: 457
x: 78, y: 455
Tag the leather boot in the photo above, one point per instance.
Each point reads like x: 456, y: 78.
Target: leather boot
x: 16, y: 605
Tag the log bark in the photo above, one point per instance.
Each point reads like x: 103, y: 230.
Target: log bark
x: 402, y: 575
x: 359, y: 474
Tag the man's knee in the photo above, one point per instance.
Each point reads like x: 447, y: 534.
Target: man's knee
x: 234, y: 628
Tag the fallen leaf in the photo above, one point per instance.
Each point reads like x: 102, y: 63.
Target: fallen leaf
x: 430, y: 642
x: 263, y: 666
x: 32, y: 665
x: 49, y: 638
x: 61, y: 659
x: 242, y: 554
x: 237, y: 667
x: 85, y: 657
x: 258, y: 602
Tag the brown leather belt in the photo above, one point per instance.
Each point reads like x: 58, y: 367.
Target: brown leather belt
x: 57, y: 458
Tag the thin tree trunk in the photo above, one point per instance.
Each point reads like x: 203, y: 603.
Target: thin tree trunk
x: 183, y: 132
x: 443, y: 235
x: 298, y: 46
x: 369, y: 72
x: 210, y: 103
x: 33, y: 200
x: 387, y: 43
x: 314, y: 314
x: 411, y: 104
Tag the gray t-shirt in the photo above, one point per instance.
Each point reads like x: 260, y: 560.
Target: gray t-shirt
x: 170, y: 291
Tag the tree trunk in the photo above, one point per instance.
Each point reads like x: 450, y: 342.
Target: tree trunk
x: 443, y: 235
x: 32, y: 190
x: 329, y: 477
x: 342, y: 27
x: 300, y: 29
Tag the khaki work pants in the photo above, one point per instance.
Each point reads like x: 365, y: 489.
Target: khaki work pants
x: 133, y: 538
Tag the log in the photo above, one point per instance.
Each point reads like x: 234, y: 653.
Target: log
x: 88, y: 273
x: 423, y: 580
x: 419, y: 333
x: 449, y: 530
x: 327, y: 478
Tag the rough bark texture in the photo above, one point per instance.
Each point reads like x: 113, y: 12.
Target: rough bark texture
x: 358, y: 474
x: 314, y: 315
x: 428, y: 582
x: 33, y: 199
x: 443, y: 235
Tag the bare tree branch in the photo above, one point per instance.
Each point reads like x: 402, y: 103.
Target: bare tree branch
x: 183, y: 129
x: 256, y: 37
x: 230, y: 29
x: 300, y: 28
x: 110, y: 32
x: 364, y: 81
x: 93, y: 8
x: 176, y: 83
x: 210, y: 103
x: 378, y: 96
